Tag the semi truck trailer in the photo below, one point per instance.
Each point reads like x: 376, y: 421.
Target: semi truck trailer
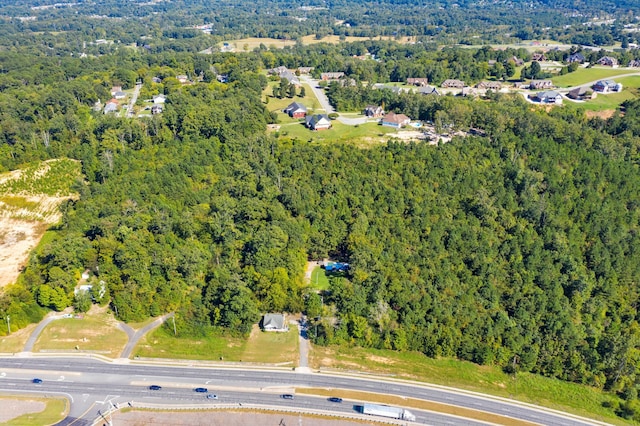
x: 387, y: 411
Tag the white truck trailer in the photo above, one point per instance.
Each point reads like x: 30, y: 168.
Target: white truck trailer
x: 387, y: 411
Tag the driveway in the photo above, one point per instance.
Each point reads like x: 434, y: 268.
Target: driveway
x: 319, y: 93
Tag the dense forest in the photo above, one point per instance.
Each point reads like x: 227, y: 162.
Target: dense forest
x: 73, y: 27
x: 519, y: 245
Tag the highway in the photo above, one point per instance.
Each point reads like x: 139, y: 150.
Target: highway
x: 93, y: 386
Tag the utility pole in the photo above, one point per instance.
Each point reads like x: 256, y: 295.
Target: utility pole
x: 9, y: 323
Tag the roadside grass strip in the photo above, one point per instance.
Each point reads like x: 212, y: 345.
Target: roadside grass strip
x: 420, y: 404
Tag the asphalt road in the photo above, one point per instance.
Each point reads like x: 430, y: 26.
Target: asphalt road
x: 94, y: 385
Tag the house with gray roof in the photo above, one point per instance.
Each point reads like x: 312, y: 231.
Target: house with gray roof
x: 607, y: 86
x: 296, y: 110
x: 274, y: 322
x: 318, y: 122
x: 548, y: 97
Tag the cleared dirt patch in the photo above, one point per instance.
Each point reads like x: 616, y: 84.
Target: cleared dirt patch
x: 12, y: 408
x: 607, y: 113
x: 29, y: 204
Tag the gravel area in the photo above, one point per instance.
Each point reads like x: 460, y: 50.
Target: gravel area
x: 12, y: 408
x: 143, y: 418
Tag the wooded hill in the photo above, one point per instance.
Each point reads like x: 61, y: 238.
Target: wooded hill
x: 520, y: 245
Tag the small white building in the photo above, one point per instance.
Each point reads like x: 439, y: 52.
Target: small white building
x: 274, y: 322
x: 159, y: 99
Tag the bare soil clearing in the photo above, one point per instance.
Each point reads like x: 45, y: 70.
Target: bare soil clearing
x: 12, y: 408
x: 25, y: 214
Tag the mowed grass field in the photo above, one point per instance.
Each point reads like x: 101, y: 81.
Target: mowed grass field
x: 361, y: 135
x: 96, y: 332
x: 55, y: 409
x: 250, y: 43
x: 586, y: 75
x: 260, y: 347
x: 526, y: 387
x: 319, y: 280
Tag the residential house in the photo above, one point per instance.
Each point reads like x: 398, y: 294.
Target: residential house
x: 278, y: 70
x: 290, y: 77
x: 489, y: 85
x: 373, y: 111
x: 521, y: 85
x: 540, y: 84
x: 182, y: 78
x: 491, y: 62
x: 428, y: 90
x: 222, y: 78
x: 576, y: 57
x: 455, y: 84
x: 580, y: 94
x: 274, y: 322
x: 318, y: 122
x: 539, y: 57
x: 421, y: 82
x: 608, y: 61
x: 157, y: 109
x: 159, y: 99
x: 469, y: 91
x: 395, y: 120
x: 156, y: 79
x: 115, y: 89
x: 111, y: 106
x: 548, y: 97
x: 607, y: 86
x: 119, y: 95
x: 517, y: 61
x: 296, y: 110
x: 326, y: 76
x: 305, y: 70
x: 97, y: 106
x: 634, y: 64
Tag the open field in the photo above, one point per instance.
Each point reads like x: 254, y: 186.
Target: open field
x: 250, y: 43
x: 261, y: 347
x: 587, y: 75
x: 29, y: 204
x: 36, y: 411
x: 363, y: 135
x: 96, y: 332
x: 570, y: 397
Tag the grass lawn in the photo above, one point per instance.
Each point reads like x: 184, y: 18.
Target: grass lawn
x: 273, y: 348
x: 16, y: 341
x: 161, y: 343
x: 319, y: 280
x: 586, y: 75
x: 55, y: 410
x: 260, y: 347
x: 95, y: 332
x: 362, y: 135
x: 604, y: 102
x: 527, y: 387
x: 277, y: 105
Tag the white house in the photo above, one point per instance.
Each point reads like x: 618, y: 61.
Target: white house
x: 274, y: 322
